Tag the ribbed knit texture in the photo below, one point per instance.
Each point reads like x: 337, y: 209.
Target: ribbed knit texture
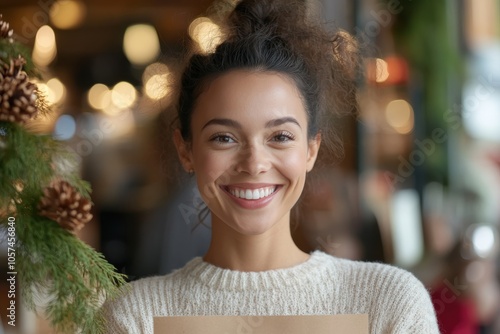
x: 394, y: 299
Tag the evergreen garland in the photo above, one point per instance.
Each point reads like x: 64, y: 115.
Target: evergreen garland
x: 54, y: 268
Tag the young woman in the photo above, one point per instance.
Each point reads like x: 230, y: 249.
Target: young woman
x: 250, y: 129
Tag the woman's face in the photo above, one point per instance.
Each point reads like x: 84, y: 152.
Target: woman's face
x: 249, y: 150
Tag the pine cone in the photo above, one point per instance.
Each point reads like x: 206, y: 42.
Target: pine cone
x: 18, y: 99
x: 63, y: 204
x: 5, y: 32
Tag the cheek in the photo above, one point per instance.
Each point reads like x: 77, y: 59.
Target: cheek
x: 209, y: 168
x: 294, y: 163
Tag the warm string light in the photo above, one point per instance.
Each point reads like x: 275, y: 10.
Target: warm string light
x: 141, y: 44
x: 112, y: 101
x: 123, y: 95
x: 44, y: 49
x: 156, y: 81
x: 99, y: 96
x: 206, y: 34
x: 399, y: 115
x: 67, y: 14
x: 389, y: 71
x: 53, y: 90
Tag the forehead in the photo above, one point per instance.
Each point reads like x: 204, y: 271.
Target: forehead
x: 250, y: 95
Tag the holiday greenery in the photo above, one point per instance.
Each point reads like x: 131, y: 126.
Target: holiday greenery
x: 19, y: 102
x: 42, y: 203
x: 64, y: 204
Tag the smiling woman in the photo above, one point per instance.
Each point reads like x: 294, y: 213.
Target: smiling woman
x: 252, y: 117
x: 250, y: 151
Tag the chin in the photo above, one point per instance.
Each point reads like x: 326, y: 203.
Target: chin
x: 253, y: 226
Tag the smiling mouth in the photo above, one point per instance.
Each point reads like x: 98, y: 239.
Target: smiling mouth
x: 251, y: 194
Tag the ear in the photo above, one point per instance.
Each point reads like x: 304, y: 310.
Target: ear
x: 312, y: 151
x: 183, y: 150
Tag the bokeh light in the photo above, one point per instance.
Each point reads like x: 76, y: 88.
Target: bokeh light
x: 399, y: 115
x: 67, y: 14
x: 156, y: 80
x: 123, y: 95
x: 46, y: 92
x: 53, y: 91
x: 206, y: 33
x: 99, y: 96
x: 57, y: 90
x: 381, y: 70
x: 141, y: 44
x: 44, y: 49
x: 483, y: 240
x: 65, y: 127
x: 157, y: 86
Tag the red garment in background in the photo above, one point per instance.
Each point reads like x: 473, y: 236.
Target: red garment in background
x: 455, y: 313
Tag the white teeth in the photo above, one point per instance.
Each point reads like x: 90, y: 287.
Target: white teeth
x: 250, y: 194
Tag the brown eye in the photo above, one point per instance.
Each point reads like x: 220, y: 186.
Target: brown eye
x: 222, y: 139
x: 283, y: 137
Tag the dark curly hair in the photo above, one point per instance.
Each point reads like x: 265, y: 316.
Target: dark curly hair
x: 281, y: 36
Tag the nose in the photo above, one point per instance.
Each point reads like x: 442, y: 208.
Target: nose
x: 253, y: 160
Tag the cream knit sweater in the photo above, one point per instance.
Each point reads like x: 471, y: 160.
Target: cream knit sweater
x: 394, y: 299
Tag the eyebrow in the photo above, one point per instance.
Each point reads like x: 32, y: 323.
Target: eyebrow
x: 223, y: 121
x: 280, y: 121
x: 235, y: 124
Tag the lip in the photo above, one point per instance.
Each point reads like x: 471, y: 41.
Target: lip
x: 252, y: 203
x: 250, y: 185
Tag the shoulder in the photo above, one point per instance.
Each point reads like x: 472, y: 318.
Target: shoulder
x: 132, y: 311
x: 369, y: 272
x: 393, y: 297
x: 126, y: 313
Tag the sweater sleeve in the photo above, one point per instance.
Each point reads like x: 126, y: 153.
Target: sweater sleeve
x: 412, y: 307
x: 129, y: 313
x: 395, y: 300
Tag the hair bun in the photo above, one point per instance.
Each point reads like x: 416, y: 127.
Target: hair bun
x: 265, y: 16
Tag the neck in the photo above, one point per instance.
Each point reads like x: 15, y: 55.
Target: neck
x: 273, y: 249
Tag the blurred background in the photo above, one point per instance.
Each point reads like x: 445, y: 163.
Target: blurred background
x: 418, y: 187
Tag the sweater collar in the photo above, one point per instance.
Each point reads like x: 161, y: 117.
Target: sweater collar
x: 313, y: 271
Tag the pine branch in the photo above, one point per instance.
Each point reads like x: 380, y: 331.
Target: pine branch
x: 31, y: 161
x: 74, y: 277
